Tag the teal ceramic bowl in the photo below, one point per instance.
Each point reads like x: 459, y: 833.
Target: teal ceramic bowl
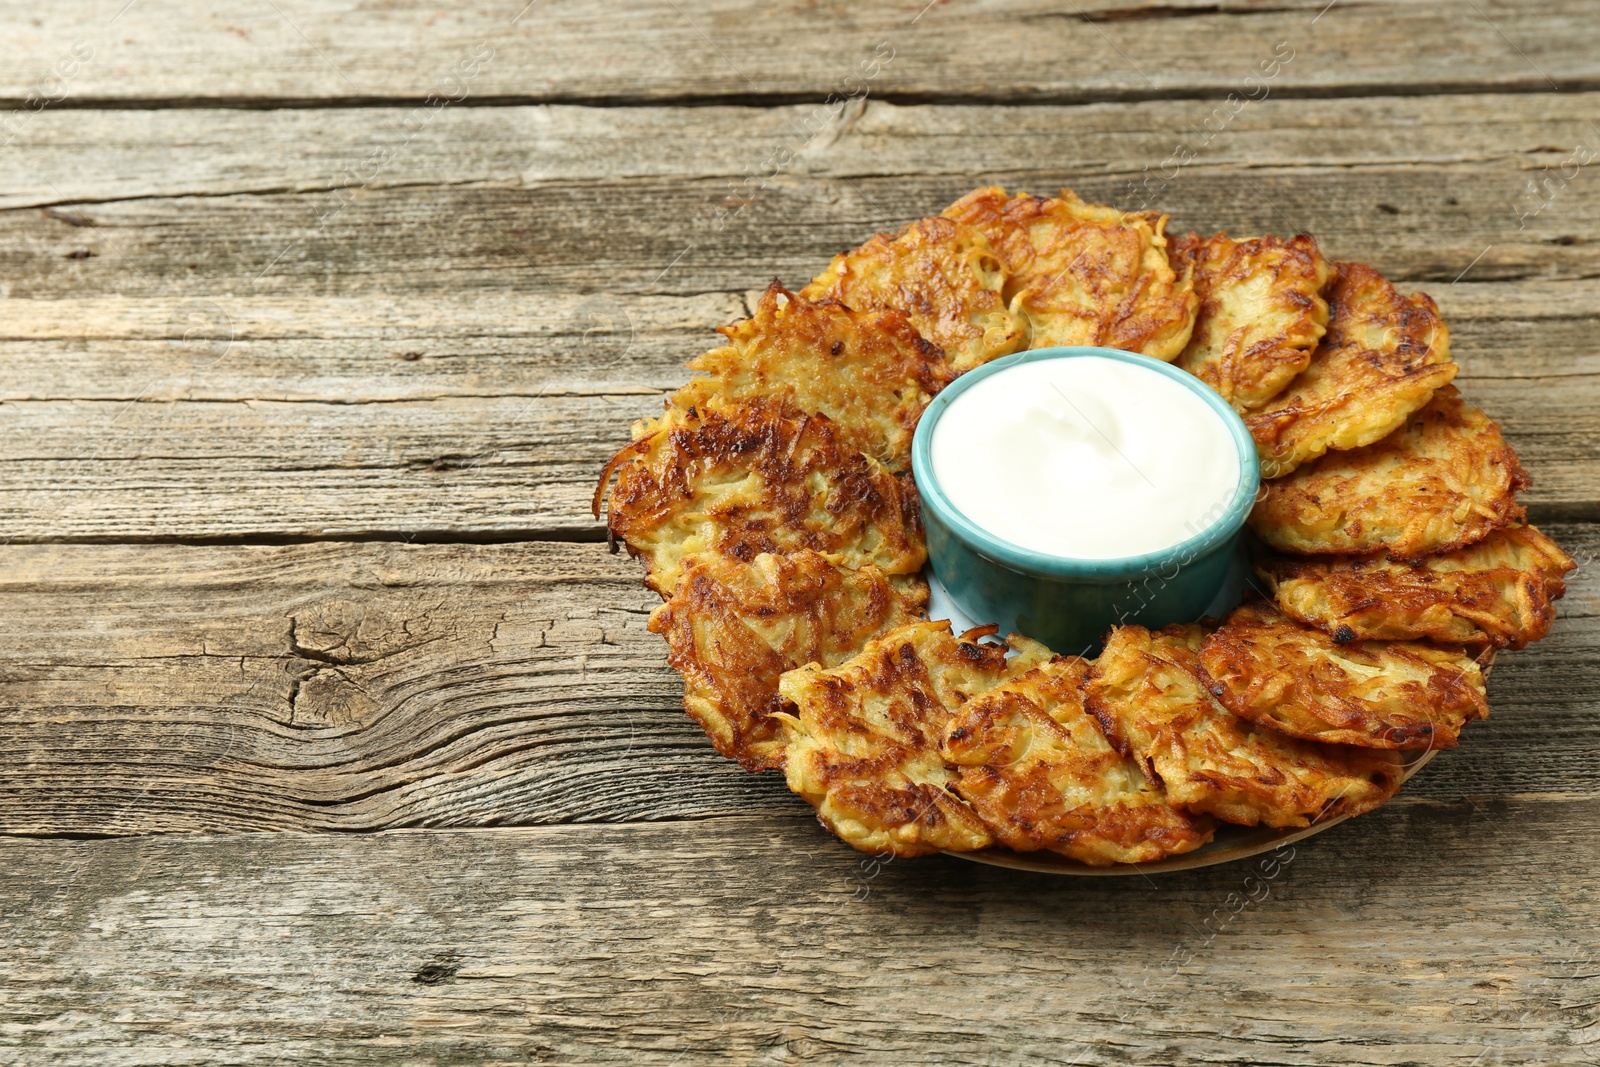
x: 1068, y: 603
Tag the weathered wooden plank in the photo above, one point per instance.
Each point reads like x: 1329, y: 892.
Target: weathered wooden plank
x: 754, y: 941
x: 344, y: 687
x: 379, y: 348
x: 79, y: 157
x: 354, y: 350
x: 361, y: 686
x: 1418, y: 223
x: 1374, y: 178
x: 501, y: 466
x: 296, y: 51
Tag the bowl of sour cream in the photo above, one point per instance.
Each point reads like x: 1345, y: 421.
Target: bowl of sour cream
x: 1067, y: 490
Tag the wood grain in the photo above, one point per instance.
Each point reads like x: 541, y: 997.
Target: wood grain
x: 297, y: 52
x: 164, y: 688
x: 352, y: 350
x: 216, y: 152
x: 344, y: 687
x: 319, y: 308
x: 755, y: 940
x: 666, y: 236
x: 355, y: 350
x: 1421, y: 187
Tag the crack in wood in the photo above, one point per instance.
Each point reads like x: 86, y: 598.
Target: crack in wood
x: 1514, y: 84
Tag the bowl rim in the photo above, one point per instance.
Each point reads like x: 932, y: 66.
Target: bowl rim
x: 1046, y: 565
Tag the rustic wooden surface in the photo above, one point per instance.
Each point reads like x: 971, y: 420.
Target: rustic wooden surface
x: 335, y: 735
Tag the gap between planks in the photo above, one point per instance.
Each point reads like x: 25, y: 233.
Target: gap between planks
x: 1530, y: 85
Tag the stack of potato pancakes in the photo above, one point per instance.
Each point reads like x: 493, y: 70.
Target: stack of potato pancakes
x: 773, y: 506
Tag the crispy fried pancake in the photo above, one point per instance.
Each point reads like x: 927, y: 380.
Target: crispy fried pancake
x: 1036, y: 768
x: 868, y: 371
x: 943, y: 275
x: 733, y: 628
x: 1381, y: 359
x: 1153, y: 706
x: 1444, y: 480
x: 1261, y: 312
x: 1276, y: 671
x: 1085, y: 274
x: 754, y: 476
x: 864, y: 738
x: 1500, y: 591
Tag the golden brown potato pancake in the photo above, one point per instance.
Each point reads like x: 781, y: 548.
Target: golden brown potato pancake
x: 1040, y: 774
x: 1499, y: 592
x: 1145, y: 691
x: 1085, y: 274
x: 944, y: 276
x: 1444, y: 480
x: 750, y: 476
x: 868, y: 371
x: 1261, y: 312
x: 1279, y: 672
x: 733, y: 628
x: 864, y: 737
x: 1382, y: 358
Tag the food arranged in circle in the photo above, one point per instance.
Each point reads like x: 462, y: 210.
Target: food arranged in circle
x: 773, y: 506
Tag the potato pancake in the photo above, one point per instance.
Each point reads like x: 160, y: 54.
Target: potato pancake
x: 1085, y: 274
x: 733, y: 628
x: 1499, y: 592
x: 1279, y: 672
x: 1261, y: 312
x: 864, y: 737
x: 1446, y: 479
x: 868, y: 371
x: 1145, y: 691
x: 750, y: 476
x: 1382, y: 358
x: 1040, y: 774
x: 944, y: 276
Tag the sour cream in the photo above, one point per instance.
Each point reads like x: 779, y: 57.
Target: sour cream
x: 1085, y: 457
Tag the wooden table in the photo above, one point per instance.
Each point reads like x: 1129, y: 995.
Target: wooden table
x: 334, y: 734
